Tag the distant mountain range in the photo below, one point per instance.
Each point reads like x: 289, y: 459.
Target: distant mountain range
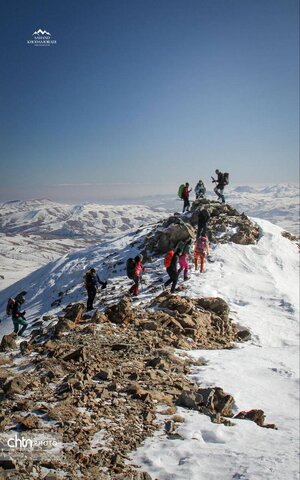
x: 34, y: 232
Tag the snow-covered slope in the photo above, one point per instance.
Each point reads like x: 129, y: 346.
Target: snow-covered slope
x: 35, y: 232
x: 261, y: 284
x: 277, y: 203
x: 55, y: 220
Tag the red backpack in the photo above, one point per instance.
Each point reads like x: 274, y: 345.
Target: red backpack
x: 168, y: 258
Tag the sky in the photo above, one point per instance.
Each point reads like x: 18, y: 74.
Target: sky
x: 139, y: 96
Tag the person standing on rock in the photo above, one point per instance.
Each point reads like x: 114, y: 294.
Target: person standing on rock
x: 91, y: 282
x: 219, y: 188
x: 137, y: 275
x: 18, y: 317
x: 185, y: 197
x: 203, y: 218
x: 172, y: 269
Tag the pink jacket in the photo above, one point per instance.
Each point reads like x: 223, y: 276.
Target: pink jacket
x: 183, y: 261
x: 138, y: 269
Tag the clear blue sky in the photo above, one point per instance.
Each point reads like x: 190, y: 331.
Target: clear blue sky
x: 155, y: 92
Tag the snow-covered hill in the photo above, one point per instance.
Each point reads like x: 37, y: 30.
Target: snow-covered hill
x: 277, y: 203
x: 35, y: 232
x: 261, y: 285
x: 58, y: 220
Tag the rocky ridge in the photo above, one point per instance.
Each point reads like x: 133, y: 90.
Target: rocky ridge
x: 105, y: 382
x: 102, y: 383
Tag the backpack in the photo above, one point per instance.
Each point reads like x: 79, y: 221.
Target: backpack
x: 130, y: 268
x: 226, y: 178
x: 88, y: 280
x: 168, y: 258
x: 202, y: 245
x: 180, y: 190
x: 10, y: 306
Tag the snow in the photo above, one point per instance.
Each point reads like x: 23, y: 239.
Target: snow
x: 261, y: 284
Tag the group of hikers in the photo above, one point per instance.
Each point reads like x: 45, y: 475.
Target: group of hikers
x: 175, y: 261
x: 184, y: 190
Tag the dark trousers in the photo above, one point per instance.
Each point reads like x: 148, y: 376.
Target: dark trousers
x: 91, y: 291
x: 173, y: 279
x: 134, y: 289
x: 202, y: 229
x: 186, y: 205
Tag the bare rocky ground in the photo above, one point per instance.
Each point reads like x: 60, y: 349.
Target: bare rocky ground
x: 111, y: 373
x: 104, y: 382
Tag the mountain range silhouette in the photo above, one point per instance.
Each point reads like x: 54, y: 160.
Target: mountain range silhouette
x: 41, y: 32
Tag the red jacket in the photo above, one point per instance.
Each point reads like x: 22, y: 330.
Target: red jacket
x: 186, y: 193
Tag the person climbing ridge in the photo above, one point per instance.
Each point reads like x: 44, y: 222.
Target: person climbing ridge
x: 134, y: 272
x: 203, y: 218
x: 184, y: 259
x: 185, y: 197
x: 221, y: 181
x: 201, y: 249
x: 171, y: 264
x: 91, y: 282
x: 18, y: 317
x: 200, y: 190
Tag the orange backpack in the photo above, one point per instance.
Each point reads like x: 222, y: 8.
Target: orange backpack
x: 168, y: 258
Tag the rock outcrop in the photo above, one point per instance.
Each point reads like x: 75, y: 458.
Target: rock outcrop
x: 225, y: 225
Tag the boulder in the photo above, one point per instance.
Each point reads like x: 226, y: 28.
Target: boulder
x: 256, y: 416
x: 121, y: 312
x: 8, y: 342
x: 63, y: 325
x: 243, y: 335
x: 217, y: 401
x: 74, y: 312
x: 77, y: 355
x: 189, y: 399
x: 16, y: 385
x: 214, y: 304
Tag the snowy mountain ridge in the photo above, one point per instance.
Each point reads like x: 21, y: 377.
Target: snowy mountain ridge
x: 260, y: 283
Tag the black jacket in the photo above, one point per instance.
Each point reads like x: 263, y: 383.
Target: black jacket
x: 203, y: 217
x: 92, y: 280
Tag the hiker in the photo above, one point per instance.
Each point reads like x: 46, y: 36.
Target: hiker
x: 91, y: 282
x: 135, y: 274
x: 185, y: 197
x: 201, y: 249
x: 200, y: 190
x: 221, y: 181
x: 184, y: 260
x: 171, y: 264
x: 203, y: 218
x: 18, y: 317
